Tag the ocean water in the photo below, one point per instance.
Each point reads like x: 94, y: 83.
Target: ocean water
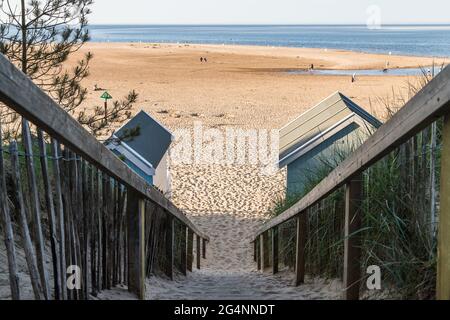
x: 429, y: 40
x: 372, y: 72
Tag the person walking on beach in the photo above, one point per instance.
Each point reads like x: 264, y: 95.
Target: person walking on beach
x: 201, y: 59
x: 354, y: 77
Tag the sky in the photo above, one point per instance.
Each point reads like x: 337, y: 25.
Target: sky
x: 269, y: 11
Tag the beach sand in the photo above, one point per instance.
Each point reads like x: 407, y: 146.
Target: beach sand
x: 239, y: 87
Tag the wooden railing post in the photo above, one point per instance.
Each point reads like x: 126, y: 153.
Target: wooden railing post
x: 170, y: 234
x: 183, y: 249
x: 443, y: 263
x: 190, y: 249
x: 263, y: 251
x: 352, y: 241
x: 198, y: 253
x: 204, y: 248
x: 275, y: 250
x: 136, y: 243
x: 300, y: 248
x: 258, y: 252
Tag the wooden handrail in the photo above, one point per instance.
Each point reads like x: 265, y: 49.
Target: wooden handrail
x: 18, y: 92
x: 432, y: 102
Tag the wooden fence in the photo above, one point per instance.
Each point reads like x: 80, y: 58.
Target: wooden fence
x: 96, y: 213
x: 430, y: 104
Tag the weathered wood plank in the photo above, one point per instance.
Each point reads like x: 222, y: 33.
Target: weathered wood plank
x: 59, y: 207
x: 76, y: 208
x: 275, y: 252
x: 443, y: 263
x: 99, y: 225
x: 258, y: 254
x: 430, y: 103
x: 190, y: 250
x: 35, y: 208
x: 93, y: 231
x: 301, y: 237
x: 21, y: 94
x: 65, y: 176
x: 183, y: 249
x: 153, y: 220
x: 352, y: 239
x: 170, y: 243
x: 86, y: 223
x: 136, y: 245
x: 121, y: 210
x: 30, y: 255
x: 8, y: 228
x: 105, y: 231
x: 198, y: 249
x: 50, y: 215
x: 204, y: 248
x: 121, y: 252
x: 264, y: 254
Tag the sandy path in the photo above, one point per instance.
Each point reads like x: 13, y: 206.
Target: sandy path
x: 240, y: 197
x: 229, y: 272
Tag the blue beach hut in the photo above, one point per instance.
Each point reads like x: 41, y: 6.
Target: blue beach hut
x: 143, y: 144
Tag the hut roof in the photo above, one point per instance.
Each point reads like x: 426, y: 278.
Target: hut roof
x: 151, y: 142
x: 320, y: 123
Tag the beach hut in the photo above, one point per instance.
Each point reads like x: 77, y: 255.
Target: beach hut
x: 143, y: 144
x: 335, y: 124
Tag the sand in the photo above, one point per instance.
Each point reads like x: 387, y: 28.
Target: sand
x: 229, y: 271
x: 239, y: 87
x: 25, y: 287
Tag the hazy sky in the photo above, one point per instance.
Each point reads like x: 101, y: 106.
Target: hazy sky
x: 268, y: 11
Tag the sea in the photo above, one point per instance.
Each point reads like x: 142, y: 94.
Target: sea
x: 416, y: 40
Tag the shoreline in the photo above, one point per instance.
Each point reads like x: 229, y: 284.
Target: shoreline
x: 282, y: 48
x: 377, y: 60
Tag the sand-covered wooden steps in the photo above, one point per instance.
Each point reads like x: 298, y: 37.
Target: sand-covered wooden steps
x: 228, y: 271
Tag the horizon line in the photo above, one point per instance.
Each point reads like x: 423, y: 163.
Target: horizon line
x: 267, y: 24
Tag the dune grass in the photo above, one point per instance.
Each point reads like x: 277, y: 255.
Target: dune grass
x: 399, y: 214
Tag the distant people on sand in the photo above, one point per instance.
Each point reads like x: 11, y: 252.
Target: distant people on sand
x: 386, y: 68
x: 97, y: 88
x: 354, y: 77
x: 203, y: 59
x: 312, y: 66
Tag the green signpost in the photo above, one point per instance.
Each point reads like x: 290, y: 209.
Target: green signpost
x: 106, y: 96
